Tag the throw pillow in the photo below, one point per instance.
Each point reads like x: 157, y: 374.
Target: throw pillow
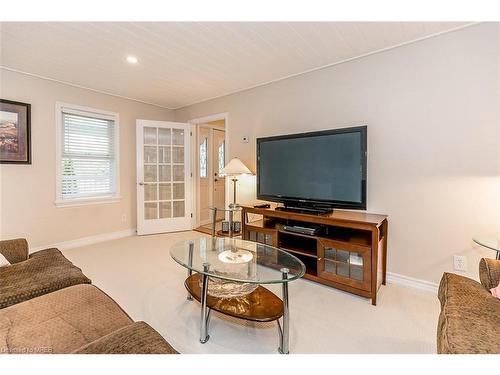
x: 3, y: 262
x: 496, y: 291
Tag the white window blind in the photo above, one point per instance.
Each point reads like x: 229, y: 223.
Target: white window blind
x: 88, y: 155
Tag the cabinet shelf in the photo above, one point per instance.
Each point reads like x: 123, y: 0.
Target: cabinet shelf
x: 295, y: 234
x: 258, y: 224
x: 342, y: 235
x: 311, y: 272
x: 299, y: 251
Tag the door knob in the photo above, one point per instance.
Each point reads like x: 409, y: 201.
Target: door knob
x: 141, y: 183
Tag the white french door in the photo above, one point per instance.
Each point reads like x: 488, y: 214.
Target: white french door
x: 163, y: 177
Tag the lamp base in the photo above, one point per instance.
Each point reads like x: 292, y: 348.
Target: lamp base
x: 234, y: 189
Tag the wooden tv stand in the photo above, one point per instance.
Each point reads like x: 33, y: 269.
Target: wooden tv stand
x: 350, y: 252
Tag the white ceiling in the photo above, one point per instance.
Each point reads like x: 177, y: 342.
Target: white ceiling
x: 184, y: 63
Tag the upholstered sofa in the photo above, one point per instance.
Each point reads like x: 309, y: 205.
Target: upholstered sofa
x: 470, y: 315
x: 47, y: 305
x: 77, y: 319
x: 34, y: 275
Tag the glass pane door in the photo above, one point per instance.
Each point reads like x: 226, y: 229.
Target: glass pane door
x: 344, y: 263
x: 163, y: 173
x: 164, y: 192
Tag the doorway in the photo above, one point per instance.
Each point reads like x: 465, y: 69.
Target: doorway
x: 211, y: 159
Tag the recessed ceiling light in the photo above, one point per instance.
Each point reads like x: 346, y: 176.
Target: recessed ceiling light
x: 132, y: 59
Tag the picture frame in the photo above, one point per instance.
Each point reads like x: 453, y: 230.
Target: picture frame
x: 15, y: 132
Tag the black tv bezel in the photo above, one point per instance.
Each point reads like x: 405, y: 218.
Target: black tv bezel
x: 315, y: 203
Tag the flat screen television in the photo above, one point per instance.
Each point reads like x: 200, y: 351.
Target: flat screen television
x: 314, y: 171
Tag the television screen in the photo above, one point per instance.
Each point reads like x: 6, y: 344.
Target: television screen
x: 327, y: 167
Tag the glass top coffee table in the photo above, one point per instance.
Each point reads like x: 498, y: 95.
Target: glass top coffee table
x: 490, y: 243
x: 228, y: 278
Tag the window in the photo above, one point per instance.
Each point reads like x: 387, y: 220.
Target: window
x: 221, y: 157
x: 87, y: 155
x: 203, y: 158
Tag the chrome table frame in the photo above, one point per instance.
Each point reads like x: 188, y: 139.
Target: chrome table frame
x: 214, y: 220
x: 283, y: 329
x: 284, y: 333
x: 497, y: 256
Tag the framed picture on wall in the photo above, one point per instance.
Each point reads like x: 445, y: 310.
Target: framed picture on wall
x: 15, y: 132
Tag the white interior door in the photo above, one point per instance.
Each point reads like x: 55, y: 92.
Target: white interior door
x: 163, y: 177
x: 211, y: 159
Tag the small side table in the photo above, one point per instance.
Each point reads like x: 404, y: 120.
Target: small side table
x: 231, y: 210
x: 490, y: 243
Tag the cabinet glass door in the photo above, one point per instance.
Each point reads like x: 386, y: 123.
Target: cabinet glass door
x: 345, y: 263
x: 266, y: 237
x: 260, y: 237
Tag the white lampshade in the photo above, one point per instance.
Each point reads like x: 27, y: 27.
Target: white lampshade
x: 235, y: 167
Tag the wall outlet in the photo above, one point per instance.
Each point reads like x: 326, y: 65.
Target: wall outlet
x: 459, y: 263
x: 124, y: 218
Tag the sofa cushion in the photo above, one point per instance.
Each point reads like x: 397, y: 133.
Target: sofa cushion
x: 44, y: 272
x: 137, y: 338
x: 470, y: 317
x: 14, y: 250
x: 60, y: 322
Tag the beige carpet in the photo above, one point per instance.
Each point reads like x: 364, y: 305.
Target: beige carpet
x: 140, y: 275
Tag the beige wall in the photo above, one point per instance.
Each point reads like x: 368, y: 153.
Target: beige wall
x: 28, y: 191
x: 432, y: 110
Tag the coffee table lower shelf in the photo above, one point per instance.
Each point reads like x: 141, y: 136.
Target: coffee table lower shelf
x: 261, y: 305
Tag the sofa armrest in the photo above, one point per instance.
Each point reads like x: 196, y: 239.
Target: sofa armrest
x: 14, y: 251
x: 489, y: 272
x: 136, y: 338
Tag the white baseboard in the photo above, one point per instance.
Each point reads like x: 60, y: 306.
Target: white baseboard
x: 411, y: 282
x: 65, y: 245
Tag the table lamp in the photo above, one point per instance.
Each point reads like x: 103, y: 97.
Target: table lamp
x: 232, y: 169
